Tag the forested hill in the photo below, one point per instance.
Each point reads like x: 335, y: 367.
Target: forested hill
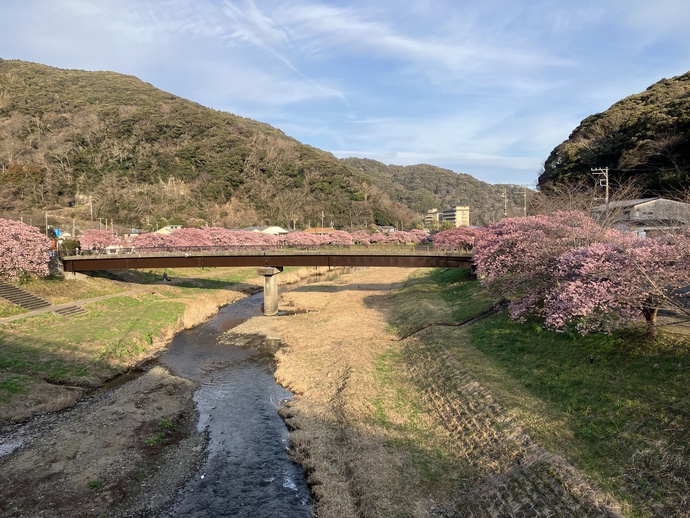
x: 422, y: 187
x: 102, y: 145
x: 645, y: 137
x: 121, y: 149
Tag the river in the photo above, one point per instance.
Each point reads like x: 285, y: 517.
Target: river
x: 248, y: 471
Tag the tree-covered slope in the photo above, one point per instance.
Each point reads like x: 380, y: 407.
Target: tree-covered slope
x: 423, y: 187
x: 137, y: 155
x: 112, y: 147
x: 644, y: 137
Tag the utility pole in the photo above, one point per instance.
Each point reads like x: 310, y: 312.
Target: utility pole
x: 602, y: 173
x: 504, y: 195
x: 321, y: 219
x: 524, y: 198
x: 524, y: 201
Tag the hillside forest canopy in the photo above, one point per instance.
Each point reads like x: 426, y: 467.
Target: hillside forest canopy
x: 111, y: 147
x: 644, y: 138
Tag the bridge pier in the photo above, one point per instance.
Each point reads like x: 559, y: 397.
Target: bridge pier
x: 270, y: 289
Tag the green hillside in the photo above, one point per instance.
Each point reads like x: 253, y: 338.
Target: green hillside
x: 94, y: 146
x: 644, y: 138
x: 422, y: 187
x: 115, y: 147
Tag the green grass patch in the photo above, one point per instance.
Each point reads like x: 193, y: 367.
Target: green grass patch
x: 85, y: 349
x: 459, y: 291
x: 59, y: 290
x: 113, y: 334
x: 227, y: 275
x: 446, y: 295
x: 431, y: 464
x: 11, y: 384
x: 617, y: 406
x: 9, y: 310
x: 612, y: 396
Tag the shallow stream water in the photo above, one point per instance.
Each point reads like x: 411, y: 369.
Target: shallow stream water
x: 247, y: 471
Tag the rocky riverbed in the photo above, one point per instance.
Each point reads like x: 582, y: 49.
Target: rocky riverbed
x: 120, y: 454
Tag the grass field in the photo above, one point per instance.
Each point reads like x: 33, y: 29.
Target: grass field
x: 114, y: 334
x: 457, y: 411
x: 617, y: 407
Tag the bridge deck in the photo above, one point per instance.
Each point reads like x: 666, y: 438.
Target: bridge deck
x: 412, y: 258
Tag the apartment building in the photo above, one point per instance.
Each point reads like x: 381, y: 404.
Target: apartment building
x: 458, y: 216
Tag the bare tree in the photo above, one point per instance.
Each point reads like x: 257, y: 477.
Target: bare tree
x: 585, y: 196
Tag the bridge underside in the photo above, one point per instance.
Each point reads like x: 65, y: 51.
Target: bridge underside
x: 126, y: 262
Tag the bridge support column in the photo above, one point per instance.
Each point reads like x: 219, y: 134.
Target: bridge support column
x: 270, y: 289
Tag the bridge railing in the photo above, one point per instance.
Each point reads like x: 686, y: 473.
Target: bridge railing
x: 253, y: 249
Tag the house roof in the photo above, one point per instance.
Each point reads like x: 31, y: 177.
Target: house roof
x: 267, y: 230
x: 623, y: 204
x: 168, y: 229
x: 318, y: 230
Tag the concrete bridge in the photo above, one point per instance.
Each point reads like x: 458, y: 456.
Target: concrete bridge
x: 269, y: 261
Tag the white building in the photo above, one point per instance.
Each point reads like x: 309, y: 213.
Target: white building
x: 458, y: 216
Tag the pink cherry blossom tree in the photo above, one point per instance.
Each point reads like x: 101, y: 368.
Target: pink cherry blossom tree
x: 24, y: 250
x: 518, y: 258
x: 460, y: 237
x: 305, y: 239
x: 361, y: 237
x: 607, y: 286
x: 99, y: 239
x: 154, y: 241
x: 339, y: 238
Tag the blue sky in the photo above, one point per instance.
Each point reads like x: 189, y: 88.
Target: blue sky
x: 486, y: 88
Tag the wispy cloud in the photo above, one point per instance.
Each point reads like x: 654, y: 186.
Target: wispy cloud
x: 486, y: 88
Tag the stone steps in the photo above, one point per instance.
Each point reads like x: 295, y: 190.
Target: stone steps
x: 32, y: 302
x: 70, y: 311
x: 21, y: 297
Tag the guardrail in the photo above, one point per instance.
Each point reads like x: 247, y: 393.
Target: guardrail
x: 254, y: 249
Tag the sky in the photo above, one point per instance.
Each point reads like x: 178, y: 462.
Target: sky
x: 487, y: 88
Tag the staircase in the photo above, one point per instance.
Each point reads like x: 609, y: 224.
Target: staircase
x: 30, y: 301
x: 70, y: 311
x: 21, y: 297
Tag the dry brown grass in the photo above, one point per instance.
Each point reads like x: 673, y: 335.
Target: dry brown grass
x: 403, y: 428
x: 331, y: 362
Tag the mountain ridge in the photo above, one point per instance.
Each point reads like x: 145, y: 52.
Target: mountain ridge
x: 643, y: 138
x: 108, y: 145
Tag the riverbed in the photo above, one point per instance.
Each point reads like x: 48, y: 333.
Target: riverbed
x: 225, y: 453
x: 247, y: 470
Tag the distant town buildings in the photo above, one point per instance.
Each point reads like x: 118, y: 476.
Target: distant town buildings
x: 458, y: 216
